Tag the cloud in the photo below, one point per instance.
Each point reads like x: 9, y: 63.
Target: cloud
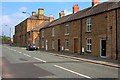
x: 12, y: 20
x: 67, y: 12
x: 23, y: 9
x: 5, y: 19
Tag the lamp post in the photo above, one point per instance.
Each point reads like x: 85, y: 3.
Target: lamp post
x: 30, y: 38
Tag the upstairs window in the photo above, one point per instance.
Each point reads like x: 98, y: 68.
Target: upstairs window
x: 53, y: 31
x: 67, y: 29
x: 88, y: 25
x: 88, y: 44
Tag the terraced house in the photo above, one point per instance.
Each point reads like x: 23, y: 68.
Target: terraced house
x: 92, y: 31
x: 25, y: 32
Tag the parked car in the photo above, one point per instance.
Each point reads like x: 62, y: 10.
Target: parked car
x: 32, y: 47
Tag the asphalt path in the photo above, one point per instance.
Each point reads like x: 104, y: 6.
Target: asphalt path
x: 17, y: 62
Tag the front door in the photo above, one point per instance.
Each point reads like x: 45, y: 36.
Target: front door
x: 46, y: 45
x: 103, y: 48
x: 75, y: 45
x: 58, y: 44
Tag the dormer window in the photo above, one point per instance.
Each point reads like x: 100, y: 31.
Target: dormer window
x: 88, y: 25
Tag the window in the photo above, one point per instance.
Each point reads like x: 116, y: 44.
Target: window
x: 88, y: 25
x: 67, y: 44
x: 67, y: 29
x: 88, y: 44
x: 53, y: 31
x: 42, y: 33
x: 53, y: 44
x: 42, y: 44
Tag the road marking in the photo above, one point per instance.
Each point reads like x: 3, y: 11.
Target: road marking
x: 19, y: 52
x: 39, y: 59
x: 28, y: 55
x: 72, y: 71
x: 13, y: 50
x: 25, y: 54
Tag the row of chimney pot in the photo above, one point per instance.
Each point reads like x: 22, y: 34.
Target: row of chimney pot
x: 61, y: 14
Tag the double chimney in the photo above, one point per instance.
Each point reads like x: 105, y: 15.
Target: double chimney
x: 61, y: 14
x: 75, y: 8
x: 40, y: 13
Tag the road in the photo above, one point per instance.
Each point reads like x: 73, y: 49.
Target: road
x: 19, y: 63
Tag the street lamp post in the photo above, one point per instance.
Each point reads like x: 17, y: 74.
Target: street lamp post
x: 30, y: 38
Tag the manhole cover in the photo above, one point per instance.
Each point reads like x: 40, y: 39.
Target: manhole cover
x: 22, y: 59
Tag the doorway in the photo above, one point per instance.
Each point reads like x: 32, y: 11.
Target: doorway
x: 103, y: 48
x: 58, y: 44
x: 75, y: 45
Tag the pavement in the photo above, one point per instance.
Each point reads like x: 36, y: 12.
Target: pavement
x: 86, y: 58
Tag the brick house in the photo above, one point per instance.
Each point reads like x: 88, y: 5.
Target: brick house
x: 23, y: 31
x: 92, y: 31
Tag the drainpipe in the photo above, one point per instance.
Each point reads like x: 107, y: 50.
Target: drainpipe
x: 80, y: 36
x: 116, y: 36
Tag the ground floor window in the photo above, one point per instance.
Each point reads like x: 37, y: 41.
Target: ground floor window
x: 42, y: 44
x: 53, y: 44
x: 88, y: 44
x: 67, y: 44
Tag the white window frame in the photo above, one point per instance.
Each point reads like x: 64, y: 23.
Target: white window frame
x: 66, y: 44
x: 67, y: 28
x: 89, y: 45
x: 42, y: 33
x: 88, y: 24
x: 53, y: 44
x: 53, y: 31
x: 42, y: 43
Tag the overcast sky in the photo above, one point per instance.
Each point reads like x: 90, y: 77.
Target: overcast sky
x: 11, y: 10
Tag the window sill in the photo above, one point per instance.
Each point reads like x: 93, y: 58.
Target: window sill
x: 53, y: 36
x: 67, y: 34
x: 66, y: 49
x: 88, y: 31
x: 88, y: 51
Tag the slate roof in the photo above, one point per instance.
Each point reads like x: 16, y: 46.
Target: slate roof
x: 40, y: 26
x: 36, y: 17
x: 100, y: 8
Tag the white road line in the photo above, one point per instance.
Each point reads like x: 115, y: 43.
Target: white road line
x: 72, y: 71
x: 25, y: 54
x: 28, y: 55
x: 39, y: 59
x: 19, y: 52
x: 14, y: 50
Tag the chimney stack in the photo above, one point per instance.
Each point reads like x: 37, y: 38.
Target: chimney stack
x: 51, y: 18
x: 41, y: 13
x: 33, y: 13
x: 95, y: 2
x: 61, y: 14
x: 75, y: 8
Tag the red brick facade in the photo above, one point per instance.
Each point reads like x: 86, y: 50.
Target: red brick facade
x: 99, y: 39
